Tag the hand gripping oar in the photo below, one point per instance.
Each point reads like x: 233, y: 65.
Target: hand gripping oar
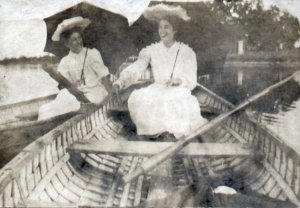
x: 170, y: 151
x: 65, y: 83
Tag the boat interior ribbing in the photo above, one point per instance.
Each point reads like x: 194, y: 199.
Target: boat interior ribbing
x: 84, y: 161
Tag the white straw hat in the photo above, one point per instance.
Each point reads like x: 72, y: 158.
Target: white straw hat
x: 69, y: 24
x: 157, y: 12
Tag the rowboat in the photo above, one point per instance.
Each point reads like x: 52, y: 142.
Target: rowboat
x: 91, y: 159
x: 22, y: 112
x: 19, y: 125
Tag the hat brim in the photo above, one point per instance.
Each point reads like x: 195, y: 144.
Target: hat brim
x: 68, y: 24
x: 159, y: 11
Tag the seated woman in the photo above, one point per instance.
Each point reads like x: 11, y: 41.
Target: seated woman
x: 83, y: 67
x: 166, y: 105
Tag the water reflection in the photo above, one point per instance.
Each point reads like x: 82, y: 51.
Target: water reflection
x: 279, y: 110
x: 236, y: 85
x: 285, y: 124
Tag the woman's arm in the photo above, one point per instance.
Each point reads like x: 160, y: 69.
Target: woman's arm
x: 65, y: 70
x: 187, y: 72
x: 132, y: 73
x: 97, y: 64
x: 107, y: 83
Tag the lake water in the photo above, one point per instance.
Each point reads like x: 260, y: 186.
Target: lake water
x: 237, y: 84
x: 19, y: 82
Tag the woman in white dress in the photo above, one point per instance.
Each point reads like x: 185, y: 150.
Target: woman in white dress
x: 166, y: 105
x: 82, y: 67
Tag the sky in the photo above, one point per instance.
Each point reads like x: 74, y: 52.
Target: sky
x: 19, y: 38
x: 292, y: 6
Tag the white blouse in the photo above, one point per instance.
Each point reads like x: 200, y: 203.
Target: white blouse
x: 94, y: 69
x: 179, y: 59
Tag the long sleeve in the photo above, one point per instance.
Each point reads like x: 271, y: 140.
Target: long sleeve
x: 188, y: 68
x: 64, y: 69
x: 97, y: 64
x: 132, y: 73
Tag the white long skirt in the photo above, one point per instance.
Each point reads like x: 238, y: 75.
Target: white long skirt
x: 159, y: 108
x: 62, y: 104
x: 96, y: 94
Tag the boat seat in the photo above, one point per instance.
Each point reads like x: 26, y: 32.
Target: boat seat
x: 142, y: 148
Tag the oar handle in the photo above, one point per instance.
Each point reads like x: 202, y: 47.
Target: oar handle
x: 65, y: 83
x: 131, y: 176
x: 154, y: 161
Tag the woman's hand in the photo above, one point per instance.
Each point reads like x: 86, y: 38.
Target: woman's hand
x: 86, y: 88
x: 174, y: 82
x: 116, y: 87
x: 107, y: 83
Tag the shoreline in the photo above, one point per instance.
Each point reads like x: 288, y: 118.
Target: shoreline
x: 261, y: 65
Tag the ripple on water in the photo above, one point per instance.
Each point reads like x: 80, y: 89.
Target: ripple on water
x: 286, y: 124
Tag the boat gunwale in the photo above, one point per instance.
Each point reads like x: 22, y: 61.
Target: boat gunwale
x: 247, y: 117
x: 12, y: 168
x: 20, y: 103
x: 25, y: 124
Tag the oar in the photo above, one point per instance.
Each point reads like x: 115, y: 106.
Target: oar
x: 170, y: 151
x: 65, y: 83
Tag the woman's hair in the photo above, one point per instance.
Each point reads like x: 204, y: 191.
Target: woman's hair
x: 66, y: 34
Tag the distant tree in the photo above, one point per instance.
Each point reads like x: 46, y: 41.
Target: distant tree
x: 263, y: 29
x: 289, y: 30
x: 205, y: 33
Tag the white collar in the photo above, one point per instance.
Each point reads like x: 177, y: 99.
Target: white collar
x: 172, y: 46
x: 82, y: 52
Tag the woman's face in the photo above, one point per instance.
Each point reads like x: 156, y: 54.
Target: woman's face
x: 166, y: 31
x: 74, y: 42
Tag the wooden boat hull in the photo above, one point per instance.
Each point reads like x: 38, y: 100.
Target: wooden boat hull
x: 22, y: 112
x: 14, y: 140
x: 46, y: 173
x: 20, y: 125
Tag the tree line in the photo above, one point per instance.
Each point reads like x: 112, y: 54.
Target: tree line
x: 215, y: 28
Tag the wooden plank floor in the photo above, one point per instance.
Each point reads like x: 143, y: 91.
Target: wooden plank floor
x: 94, y: 179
